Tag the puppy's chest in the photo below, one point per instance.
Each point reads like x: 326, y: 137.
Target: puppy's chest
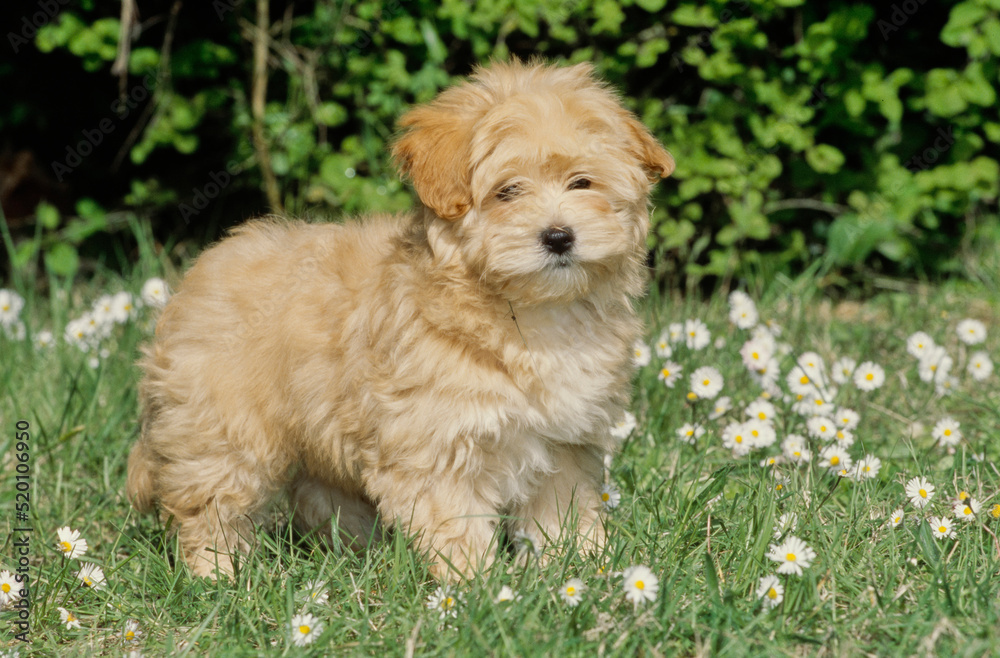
x: 572, y: 378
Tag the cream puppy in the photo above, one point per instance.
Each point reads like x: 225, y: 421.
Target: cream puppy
x: 443, y: 372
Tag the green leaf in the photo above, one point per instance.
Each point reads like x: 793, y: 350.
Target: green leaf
x: 62, y: 259
x: 331, y: 114
x: 824, y: 159
x: 47, y: 215
x: 928, y: 545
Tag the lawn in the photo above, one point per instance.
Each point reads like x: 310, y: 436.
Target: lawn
x: 704, y: 517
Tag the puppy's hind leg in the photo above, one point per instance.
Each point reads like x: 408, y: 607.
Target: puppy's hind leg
x: 315, y: 503
x: 215, y: 500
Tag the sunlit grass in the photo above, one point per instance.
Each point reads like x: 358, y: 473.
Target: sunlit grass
x: 701, y: 519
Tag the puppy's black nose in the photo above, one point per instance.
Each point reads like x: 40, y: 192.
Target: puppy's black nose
x: 557, y: 240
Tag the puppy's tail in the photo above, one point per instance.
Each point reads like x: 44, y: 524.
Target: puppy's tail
x: 141, y: 479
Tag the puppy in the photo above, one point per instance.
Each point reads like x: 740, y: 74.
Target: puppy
x: 443, y: 372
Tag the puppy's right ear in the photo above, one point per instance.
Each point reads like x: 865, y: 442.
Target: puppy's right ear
x: 434, y: 151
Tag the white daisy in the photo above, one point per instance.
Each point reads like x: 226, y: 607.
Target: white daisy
x: 155, y: 293
x: 68, y: 618
x: 91, y: 576
x: 919, y: 491
x: 918, y: 344
x: 572, y: 592
x: 971, y: 332
x: 835, y: 458
x: 688, y: 433
x: 675, y: 332
x: 844, y: 438
x: 935, y: 365
x: 968, y: 509
x: 44, y: 339
x: 314, y: 591
x: 506, y: 595
x: 736, y: 439
x: 842, y: 370
x: 696, y: 334
x: 794, y: 448
x: 761, y: 410
x: 771, y: 591
x: 721, y: 408
x: 980, y: 366
x: 800, y: 382
x: 896, y: 518
x: 641, y: 354
x: 812, y: 364
x: 444, y: 601
x: 867, y: 468
x: 131, y: 632
x: 624, y: 427
x: 670, y: 373
x: 706, y: 382
x: 742, y: 310
x: 10, y: 589
x: 941, y: 527
x: 947, y: 431
x: 756, y: 353
x: 610, y: 496
x: 847, y: 419
x: 11, y: 304
x: 641, y: 585
x: 821, y: 427
x: 305, y: 628
x: 869, y: 376
x: 785, y: 523
x: 70, y: 543
x: 662, y: 346
x: 123, y: 307
x: 761, y: 433
x: 793, y: 554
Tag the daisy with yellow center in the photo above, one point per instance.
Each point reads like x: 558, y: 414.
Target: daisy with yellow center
x: 641, y: 354
x: 947, y: 431
x: 941, y: 527
x: 10, y: 589
x: 869, y: 376
x: 305, y: 628
x: 91, y: 576
x: 610, y: 496
x: 641, y: 585
x: 771, y: 591
x: 919, y: 491
x: 896, y: 518
x: 70, y: 544
x: 793, y: 554
x: 670, y: 373
x: 68, y: 618
x: 572, y: 592
x: 968, y: 509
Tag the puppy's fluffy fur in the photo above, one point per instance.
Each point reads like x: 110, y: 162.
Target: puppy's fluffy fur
x: 444, y: 371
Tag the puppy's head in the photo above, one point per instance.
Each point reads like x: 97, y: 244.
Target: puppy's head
x: 538, y: 179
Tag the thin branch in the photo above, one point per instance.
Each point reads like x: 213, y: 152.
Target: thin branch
x: 163, y: 82
x: 257, y: 106
x: 128, y: 21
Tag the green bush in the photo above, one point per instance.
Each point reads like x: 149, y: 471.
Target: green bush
x: 840, y: 135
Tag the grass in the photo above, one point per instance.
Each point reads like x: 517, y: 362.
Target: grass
x: 701, y: 519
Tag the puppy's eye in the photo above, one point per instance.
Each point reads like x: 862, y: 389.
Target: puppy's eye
x: 509, y: 192
x: 580, y: 184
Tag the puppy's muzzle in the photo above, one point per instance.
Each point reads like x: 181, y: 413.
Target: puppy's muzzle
x: 557, y: 240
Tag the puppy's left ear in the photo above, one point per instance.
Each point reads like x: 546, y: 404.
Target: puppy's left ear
x: 434, y: 151
x: 657, y: 162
